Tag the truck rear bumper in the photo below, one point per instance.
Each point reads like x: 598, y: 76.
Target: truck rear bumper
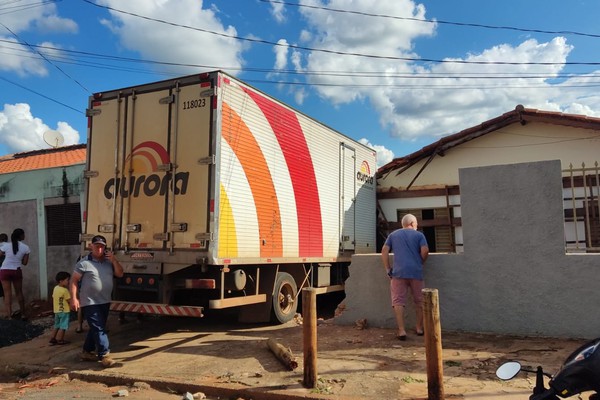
x: 158, y: 309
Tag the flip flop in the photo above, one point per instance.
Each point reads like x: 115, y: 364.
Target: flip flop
x: 78, y: 330
x: 420, y: 333
x: 63, y: 342
x: 401, y: 337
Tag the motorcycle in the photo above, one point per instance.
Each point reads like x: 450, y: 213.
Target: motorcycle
x: 579, y: 373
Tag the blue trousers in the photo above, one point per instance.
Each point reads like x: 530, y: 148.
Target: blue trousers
x: 96, y: 339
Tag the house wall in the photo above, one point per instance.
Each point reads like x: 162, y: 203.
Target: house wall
x: 23, y: 197
x: 512, y: 144
x: 513, y: 277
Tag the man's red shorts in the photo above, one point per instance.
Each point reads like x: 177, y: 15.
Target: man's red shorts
x: 399, y: 288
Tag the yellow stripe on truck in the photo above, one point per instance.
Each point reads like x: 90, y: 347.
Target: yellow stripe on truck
x: 228, y: 235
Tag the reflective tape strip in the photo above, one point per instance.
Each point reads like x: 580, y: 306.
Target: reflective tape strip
x: 158, y: 309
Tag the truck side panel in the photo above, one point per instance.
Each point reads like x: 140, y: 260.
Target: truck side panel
x: 280, y: 176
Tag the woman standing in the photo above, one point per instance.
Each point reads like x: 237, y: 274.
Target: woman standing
x: 16, y: 254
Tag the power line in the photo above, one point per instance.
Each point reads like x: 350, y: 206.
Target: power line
x: 405, y: 84
x: 54, y: 55
x: 45, y: 58
x: 336, y: 52
x: 474, y: 25
x: 42, y: 95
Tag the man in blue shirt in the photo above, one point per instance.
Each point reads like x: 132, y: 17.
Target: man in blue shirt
x: 410, y: 250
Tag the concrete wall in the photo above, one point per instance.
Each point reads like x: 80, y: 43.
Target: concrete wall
x: 514, y: 276
x: 23, y: 197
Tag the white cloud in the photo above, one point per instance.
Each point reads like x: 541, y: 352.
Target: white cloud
x: 21, y: 131
x: 55, y: 24
x: 278, y: 12
x: 424, y: 110
x: 155, y: 40
x: 281, y: 52
x: 413, y: 100
x: 21, y: 59
x: 384, y: 155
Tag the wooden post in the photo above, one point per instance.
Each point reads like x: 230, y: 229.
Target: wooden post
x: 433, y: 344
x: 309, y: 329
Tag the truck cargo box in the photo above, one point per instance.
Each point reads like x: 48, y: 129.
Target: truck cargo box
x: 192, y: 178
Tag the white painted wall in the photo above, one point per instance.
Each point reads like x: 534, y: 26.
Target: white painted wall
x: 514, y: 143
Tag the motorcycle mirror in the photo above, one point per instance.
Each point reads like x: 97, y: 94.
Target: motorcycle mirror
x: 508, y: 370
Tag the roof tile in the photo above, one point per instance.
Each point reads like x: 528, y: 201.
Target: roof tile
x: 41, y: 159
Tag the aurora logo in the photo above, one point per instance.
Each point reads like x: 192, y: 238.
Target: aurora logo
x: 145, y: 158
x: 364, y: 173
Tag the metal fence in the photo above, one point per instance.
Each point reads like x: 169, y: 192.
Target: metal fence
x: 581, y: 190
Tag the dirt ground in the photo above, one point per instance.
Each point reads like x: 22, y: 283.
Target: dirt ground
x: 161, y: 358
x: 20, y: 382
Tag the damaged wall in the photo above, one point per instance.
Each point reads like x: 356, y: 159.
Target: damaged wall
x: 514, y: 276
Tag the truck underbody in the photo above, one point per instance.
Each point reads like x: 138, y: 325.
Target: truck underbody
x: 261, y: 293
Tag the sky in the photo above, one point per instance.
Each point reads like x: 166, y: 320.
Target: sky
x: 394, y: 74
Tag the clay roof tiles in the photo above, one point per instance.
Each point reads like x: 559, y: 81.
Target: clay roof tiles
x: 520, y: 114
x: 41, y: 159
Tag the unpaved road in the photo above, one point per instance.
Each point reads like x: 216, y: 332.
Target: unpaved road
x: 226, y: 360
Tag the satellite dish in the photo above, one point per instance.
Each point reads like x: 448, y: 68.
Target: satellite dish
x: 54, y: 138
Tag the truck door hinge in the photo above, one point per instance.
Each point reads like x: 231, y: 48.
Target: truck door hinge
x: 92, y: 112
x: 165, y: 167
x: 207, y: 160
x: 204, y: 236
x: 161, y: 237
x: 135, y: 228
x: 90, y: 174
x: 208, y: 92
x: 179, y: 227
x: 167, y: 100
x: 106, y: 228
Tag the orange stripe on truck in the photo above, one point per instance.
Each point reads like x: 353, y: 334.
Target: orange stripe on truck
x: 252, y: 160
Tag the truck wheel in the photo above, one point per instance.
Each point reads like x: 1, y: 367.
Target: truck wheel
x: 285, y: 302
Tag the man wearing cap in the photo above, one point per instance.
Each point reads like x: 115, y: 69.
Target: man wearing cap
x: 93, y: 275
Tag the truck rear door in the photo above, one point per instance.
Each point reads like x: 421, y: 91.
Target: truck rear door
x: 149, y: 166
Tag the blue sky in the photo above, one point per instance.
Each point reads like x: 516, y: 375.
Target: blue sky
x: 395, y: 74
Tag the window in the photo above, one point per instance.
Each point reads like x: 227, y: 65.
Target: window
x: 436, y: 225
x: 63, y: 224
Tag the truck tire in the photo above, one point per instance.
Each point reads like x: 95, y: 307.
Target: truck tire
x: 285, y: 301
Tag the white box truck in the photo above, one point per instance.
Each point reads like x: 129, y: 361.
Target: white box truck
x: 214, y: 195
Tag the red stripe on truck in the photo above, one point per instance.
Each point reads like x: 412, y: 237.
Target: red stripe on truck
x: 286, y: 127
